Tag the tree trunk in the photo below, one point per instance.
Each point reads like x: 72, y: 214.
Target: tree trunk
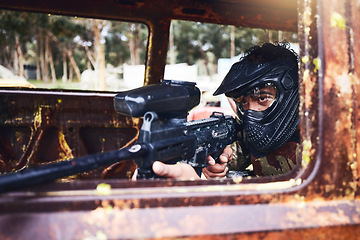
x: 68, y: 53
x: 232, y: 42
x: 50, y: 59
x: 88, y: 64
x: 44, y: 71
x: 134, y: 44
x: 15, y: 63
x: 190, y: 55
x: 64, y: 76
x: 37, y: 58
x: 46, y: 55
x: 171, y: 45
x: 99, y: 56
x: 71, y: 73
x: 38, y: 71
x: 137, y: 45
x: 19, y: 57
x: 280, y: 36
x: 73, y: 64
x: 270, y: 36
x: 90, y: 60
x: 206, y: 62
x: 7, y: 59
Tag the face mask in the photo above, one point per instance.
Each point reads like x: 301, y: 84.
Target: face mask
x: 275, y: 124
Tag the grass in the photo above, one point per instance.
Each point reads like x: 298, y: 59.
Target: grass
x: 56, y: 85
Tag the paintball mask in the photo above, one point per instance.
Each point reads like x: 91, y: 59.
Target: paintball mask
x: 273, y: 84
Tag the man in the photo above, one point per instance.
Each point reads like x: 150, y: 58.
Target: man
x: 264, y: 86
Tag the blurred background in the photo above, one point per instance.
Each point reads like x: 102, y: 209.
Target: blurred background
x: 60, y: 52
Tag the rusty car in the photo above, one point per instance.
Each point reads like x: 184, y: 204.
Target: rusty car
x: 320, y: 201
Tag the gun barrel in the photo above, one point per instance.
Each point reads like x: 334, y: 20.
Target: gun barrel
x: 53, y: 171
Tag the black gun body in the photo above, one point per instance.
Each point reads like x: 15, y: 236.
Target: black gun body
x: 212, y: 136
x: 189, y: 142
x: 165, y: 136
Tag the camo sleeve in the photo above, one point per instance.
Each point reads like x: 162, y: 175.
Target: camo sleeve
x: 283, y: 160
x: 238, y: 159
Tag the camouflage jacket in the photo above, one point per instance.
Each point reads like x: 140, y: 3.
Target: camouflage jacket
x: 280, y: 161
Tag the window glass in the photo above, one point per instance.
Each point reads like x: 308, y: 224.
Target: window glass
x: 209, y: 50
x: 49, y: 51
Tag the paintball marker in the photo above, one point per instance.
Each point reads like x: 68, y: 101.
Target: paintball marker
x: 165, y: 136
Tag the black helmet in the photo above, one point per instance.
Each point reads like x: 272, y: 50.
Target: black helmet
x: 269, y: 129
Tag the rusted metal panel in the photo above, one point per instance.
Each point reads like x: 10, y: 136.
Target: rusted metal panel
x: 310, y: 114
x: 271, y: 14
x: 45, y: 126
x: 115, y: 220
x: 353, y: 16
x: 156, y: 60
x: 328, y: 97
x: 339, y: 105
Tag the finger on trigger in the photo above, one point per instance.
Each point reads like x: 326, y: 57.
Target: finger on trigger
x: 211, y: 160
x: 224, y: 158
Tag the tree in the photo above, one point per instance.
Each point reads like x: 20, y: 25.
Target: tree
x: 15, y: 30
x: 195, y: 41
x: 117, y: 44
x: 65, y: 46
x: 63, y: 31
x: 98, y: 26
x: 126, y: 43
x: 186, y: 41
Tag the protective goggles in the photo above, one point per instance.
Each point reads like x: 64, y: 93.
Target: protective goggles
x: 258, y: 98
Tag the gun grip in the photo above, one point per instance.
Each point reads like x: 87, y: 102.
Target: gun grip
x: 147, y: 174
x: 216, y: 155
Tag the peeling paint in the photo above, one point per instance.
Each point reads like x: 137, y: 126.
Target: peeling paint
x: 305, y: 59
x: 65, y: 147
x: 306, y: 153
x: 317, y: 64
x: 103, y: 189
x: 337, y: 20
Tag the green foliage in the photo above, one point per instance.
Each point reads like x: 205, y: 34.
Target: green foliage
x: 193, y: 41
x: 117, y: 50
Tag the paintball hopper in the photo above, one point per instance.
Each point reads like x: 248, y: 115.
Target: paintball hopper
x: 168, y: 99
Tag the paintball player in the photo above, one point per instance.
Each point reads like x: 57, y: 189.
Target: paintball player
x: 264, y: 87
